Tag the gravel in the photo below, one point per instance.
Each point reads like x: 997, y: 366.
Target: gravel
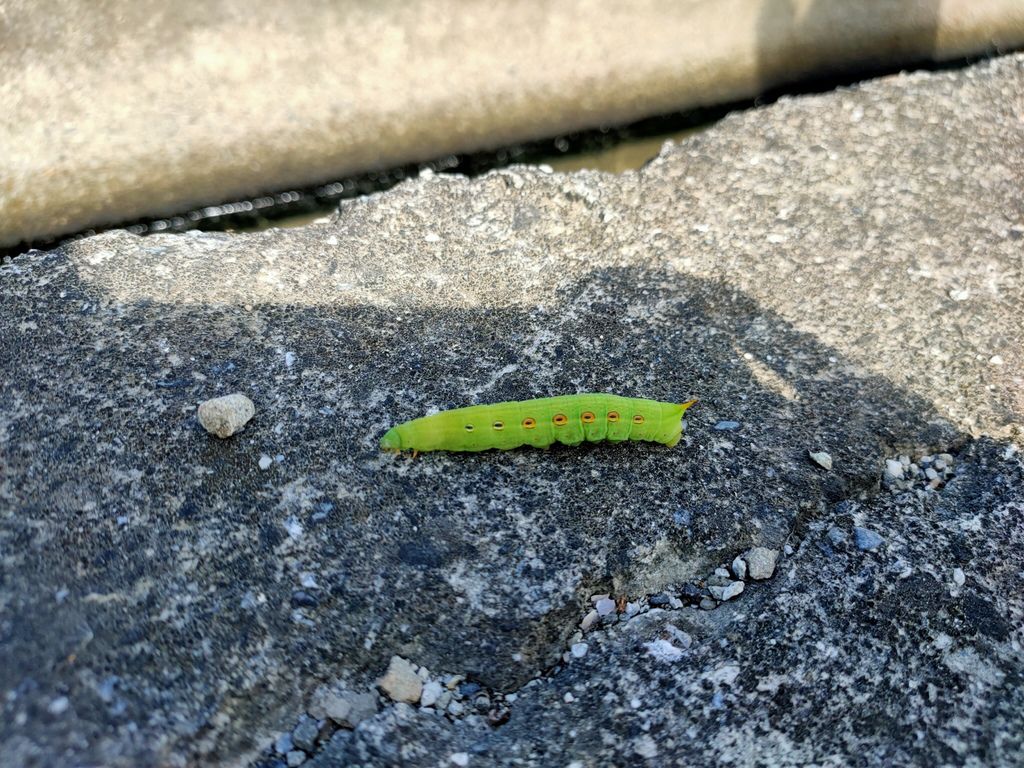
x: 431, y: 693
x: 400, y: 682
x: 224, y: 416
x: 761, y: 562
x: 726, y: 591
x: 821, y: 458
x: 867, y: 539
x: 344, y: 707
x: 739, y: 568
x: 304, y: 735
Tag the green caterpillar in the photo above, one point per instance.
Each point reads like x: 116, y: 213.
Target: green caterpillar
x: 569, y: 419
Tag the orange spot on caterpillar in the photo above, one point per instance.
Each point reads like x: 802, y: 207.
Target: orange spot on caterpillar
x: 560, y: 420
x: 613, y: 416
x: 587, y: 417
x: 498, y: 425
x: 529, y: 423
x: 638, y: 419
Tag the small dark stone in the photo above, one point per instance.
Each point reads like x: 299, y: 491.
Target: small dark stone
x: 499, y: 714
x: 691, y: 593
x: 482, y: 703
x: 658, y: 601
x: 303, y: 599
x: 468, y: 689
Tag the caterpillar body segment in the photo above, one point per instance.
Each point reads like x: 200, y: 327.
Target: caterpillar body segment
x: 569, y: 419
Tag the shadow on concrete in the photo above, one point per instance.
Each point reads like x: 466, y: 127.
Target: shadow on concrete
x: 186, y: 602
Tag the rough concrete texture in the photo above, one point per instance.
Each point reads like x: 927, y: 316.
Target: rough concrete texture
x: 839, y: 273
x: 847, y: 658
x: 118, y: 109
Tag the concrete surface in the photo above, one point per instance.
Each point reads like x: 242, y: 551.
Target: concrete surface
x: 838, y: 274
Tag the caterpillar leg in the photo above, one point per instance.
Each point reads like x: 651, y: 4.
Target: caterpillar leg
x: 415, y: 453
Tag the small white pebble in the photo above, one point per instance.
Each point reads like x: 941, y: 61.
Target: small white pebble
x: 568, y: 698
x: 605, y: 606
x: 265, y: 462
x: 996, y: 360
x: 59, y: 705
x: 224, y: 416
x: 459, y: 758
x: 821, y: 458
x: 959, y: 577
x: 579, y: 650
x: 739, y: 568
x: 893, y: 469
x: 431, y: 693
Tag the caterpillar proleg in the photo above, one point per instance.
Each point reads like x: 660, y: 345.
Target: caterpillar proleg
x: 569, y: 419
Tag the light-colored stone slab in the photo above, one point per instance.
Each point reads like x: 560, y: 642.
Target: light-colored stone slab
x: 121, y: 109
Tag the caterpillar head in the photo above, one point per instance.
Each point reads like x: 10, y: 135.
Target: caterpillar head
x: 391, y: 441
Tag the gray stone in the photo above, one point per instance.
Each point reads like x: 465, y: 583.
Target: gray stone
x: 401, y: 682
x: 727, y: 426
x: 304, y: 735
x: 727, y: 591
x: 295, y: 758
x: 761, y: 562
x: 224, y: 416
x: 590, y: 620
x: 107, y: 105
x: 893, y: 469
x: 284, y: 744
x: 821, y: 458
x: 431, y: 693
x: 739, y: 568
x: 867, y: 539
x: 483, y: 563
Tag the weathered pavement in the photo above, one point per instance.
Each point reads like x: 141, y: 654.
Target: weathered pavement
x: 839, y: 274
